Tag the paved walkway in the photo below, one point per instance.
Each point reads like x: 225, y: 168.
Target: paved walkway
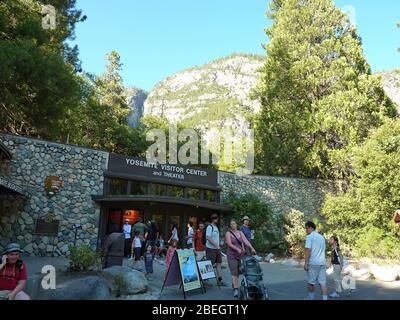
x: 289, y: 283
x: 283, y: 282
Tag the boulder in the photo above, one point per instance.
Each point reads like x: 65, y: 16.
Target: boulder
x: 135, y: 281
x: 385, y: 273
x: 269, y: 256
x: 290, y: 263
x: 362, y: 274
x: 87, y: 288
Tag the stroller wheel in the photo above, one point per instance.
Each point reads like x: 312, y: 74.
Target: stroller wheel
x: 242, y: 293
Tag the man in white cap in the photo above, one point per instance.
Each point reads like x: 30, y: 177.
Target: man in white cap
x: 13, y: 274
x: 245, y: 228
x: 127, y: 235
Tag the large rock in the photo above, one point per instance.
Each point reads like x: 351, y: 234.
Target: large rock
x: 135, y: 281
x: 88, y: 288
x: 269, y: 257
x: 385, y: 273
x: 191, y: 97
x: 135, y: 99
x: 362, y: 274
x: 290, y: 263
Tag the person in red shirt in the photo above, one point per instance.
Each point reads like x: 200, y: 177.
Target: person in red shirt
x: 198, y: 242
x: 13, y: 274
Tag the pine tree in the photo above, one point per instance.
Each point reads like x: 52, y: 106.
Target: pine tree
x: 38, y: 81
x: 101, y: 122
x: 317, y: 93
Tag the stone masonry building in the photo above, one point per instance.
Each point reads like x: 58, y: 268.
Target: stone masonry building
x: 53, y: 196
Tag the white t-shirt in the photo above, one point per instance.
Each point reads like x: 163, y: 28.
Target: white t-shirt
x: 190, y: 236
x: 138, y: 242
x: 213, y: 232
x: 127, y: 231
x: 316, y: 243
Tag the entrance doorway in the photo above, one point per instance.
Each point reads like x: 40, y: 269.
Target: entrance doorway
x: 117, y: 216
x: 165, y: 216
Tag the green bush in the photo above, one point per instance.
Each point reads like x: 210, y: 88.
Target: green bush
x: 268, y: 227
x: 362, y: 214
x: 120, y: 283
x: 295, y: 233
x: 83, y: 258
x: 376, y: 244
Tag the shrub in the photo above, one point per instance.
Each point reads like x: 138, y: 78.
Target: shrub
x: 268, y: 227
x: 362, y: 214
x: 83, y: 258
x: 295, y: 233
x: 375, y: 243
x: 120, y: 283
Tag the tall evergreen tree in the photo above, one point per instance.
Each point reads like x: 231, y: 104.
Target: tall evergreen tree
x: 317, y: 93
x: 38, y: 84
x: 101, y: 121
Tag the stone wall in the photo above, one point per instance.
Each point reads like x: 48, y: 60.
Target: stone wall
x: 33, y: 160
x: 281, y: 194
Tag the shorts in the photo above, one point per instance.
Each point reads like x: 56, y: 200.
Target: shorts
x: 214, y: 255
x: 234, y: 266
x: 138, y: 253
x: 317, y: 275
x: 200, y: 255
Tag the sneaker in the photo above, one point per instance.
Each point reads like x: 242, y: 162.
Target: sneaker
x: 222, y: 283
x: 235, y: 293
x: 130, y: 258
x: 334, y: 295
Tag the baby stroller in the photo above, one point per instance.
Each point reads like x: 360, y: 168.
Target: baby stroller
x: 252, y: 287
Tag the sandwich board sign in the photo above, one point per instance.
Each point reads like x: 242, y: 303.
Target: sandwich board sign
x: 183, y: 270
x: 206, y: 269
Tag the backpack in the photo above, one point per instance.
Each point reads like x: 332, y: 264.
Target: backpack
x: 204, y: 238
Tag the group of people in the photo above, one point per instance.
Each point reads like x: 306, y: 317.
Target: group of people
x: 239, y: 243
x: 142, y: 241
x: 315, y: 262
x: 207, y: 245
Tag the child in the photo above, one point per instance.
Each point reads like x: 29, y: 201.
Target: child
x: 337, y: 266
x: 161, y: 248
x: 136, y: 250
x: 148, y: 261
x: 170, y: 252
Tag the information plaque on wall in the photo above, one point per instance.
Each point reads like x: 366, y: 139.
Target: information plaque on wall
x: 45, y: 227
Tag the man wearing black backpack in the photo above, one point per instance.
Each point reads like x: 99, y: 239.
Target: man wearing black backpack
x: 213, y: 249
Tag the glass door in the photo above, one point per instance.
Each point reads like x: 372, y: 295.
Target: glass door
x: 114, y: 221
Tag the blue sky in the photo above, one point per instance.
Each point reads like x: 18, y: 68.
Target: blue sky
x: 157, y: 38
